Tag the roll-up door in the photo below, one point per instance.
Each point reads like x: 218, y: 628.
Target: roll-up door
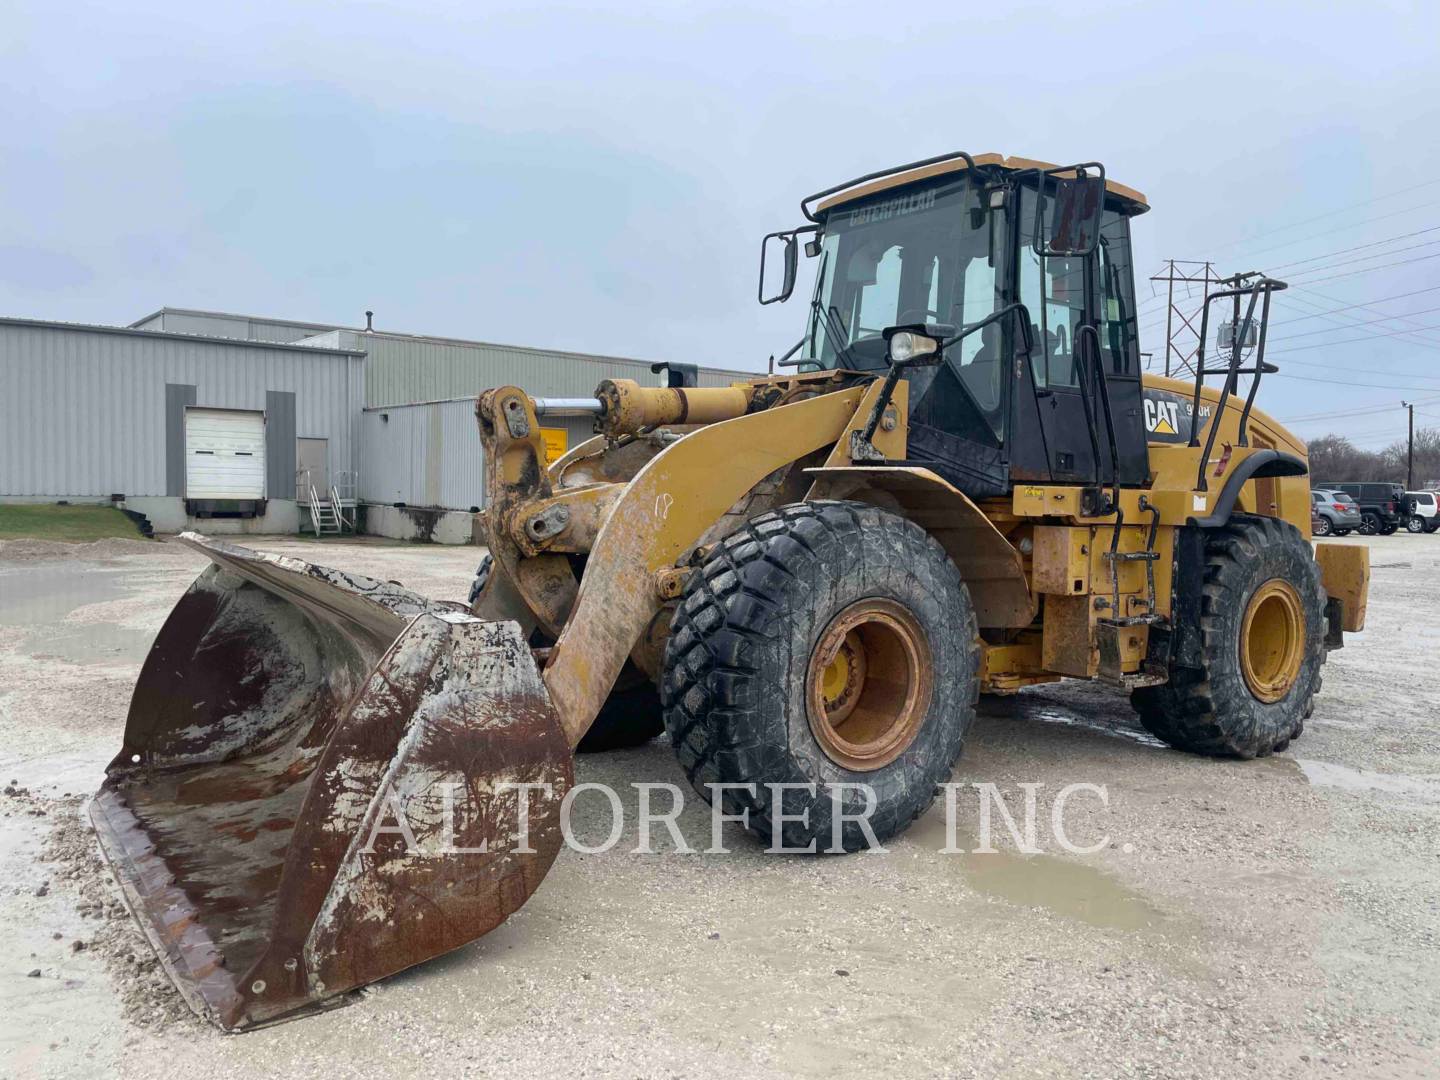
x: 224, y: 454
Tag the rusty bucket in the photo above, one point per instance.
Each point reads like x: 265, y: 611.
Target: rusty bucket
x: 325, y: 779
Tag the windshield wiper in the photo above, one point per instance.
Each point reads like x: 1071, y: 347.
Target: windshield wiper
x: 832, y: 335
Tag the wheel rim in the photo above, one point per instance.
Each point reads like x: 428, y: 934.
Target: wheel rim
x: 1323, y: 529
x: 869, y: 684
x: 1272, y: 640
x: 1414, y: 525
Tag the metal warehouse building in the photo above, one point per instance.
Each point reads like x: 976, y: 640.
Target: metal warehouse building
x: 181, y: 427
x: 224, y: 422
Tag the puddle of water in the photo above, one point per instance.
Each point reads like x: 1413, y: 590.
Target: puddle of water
x: 1061, y: 886
x: 46, y: 594
x: 1054, y: 716
x: 1326, y: 774
x: 39, y: 598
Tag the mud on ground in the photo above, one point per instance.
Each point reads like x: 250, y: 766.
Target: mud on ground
x: 1270, y: 918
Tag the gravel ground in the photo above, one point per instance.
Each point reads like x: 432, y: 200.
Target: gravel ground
x: 1274, y: 918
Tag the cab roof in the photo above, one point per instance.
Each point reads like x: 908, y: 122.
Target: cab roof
x: 1135, y: 203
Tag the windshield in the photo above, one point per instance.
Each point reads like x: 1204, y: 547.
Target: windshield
x: 920, y: 256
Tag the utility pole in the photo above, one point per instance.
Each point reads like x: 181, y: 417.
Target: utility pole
x: 1410, y: 455
x: 1183, y: 351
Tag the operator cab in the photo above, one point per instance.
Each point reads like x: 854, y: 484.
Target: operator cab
x: 949, y: 248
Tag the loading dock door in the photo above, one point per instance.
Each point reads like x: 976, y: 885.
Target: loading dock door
x: 224, y: 454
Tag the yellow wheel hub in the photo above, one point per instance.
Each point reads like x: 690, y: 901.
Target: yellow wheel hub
x: 869, y: 684
x: 1272, y: 640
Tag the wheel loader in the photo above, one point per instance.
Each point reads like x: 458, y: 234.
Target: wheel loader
x: 958, y: 482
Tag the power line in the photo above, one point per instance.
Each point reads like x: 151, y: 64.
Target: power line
x: 1363, y: 258
x: 1354, y: 322
x: 1352, y: 412
x: 1349, y: 382
x: 1335, y: 300
x: 1369, y: 269
x: 1352, y: 341
x: 1328, y: 213
x: 1366, y: 322
x: 1347, y: 307
x: 1357, y: 247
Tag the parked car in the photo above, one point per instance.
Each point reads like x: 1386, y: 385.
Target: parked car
x: 1335, y: 513
x: 1382, y: 506
x: 1421, y: 512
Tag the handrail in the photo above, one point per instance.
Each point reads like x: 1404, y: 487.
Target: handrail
x: 1263, y: 286
x: 1095, y: 369
x: 805, y: 202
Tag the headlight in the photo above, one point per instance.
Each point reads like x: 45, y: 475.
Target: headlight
x: 908, y: 345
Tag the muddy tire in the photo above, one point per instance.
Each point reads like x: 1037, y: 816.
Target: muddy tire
x: 825, y: 643
x: 1263, y: 642
x: 482, y: 575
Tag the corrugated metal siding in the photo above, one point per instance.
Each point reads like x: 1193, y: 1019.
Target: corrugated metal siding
x: 219, y: 324
x: 404, y: 369
x: 430, y: 454
x: 83, y: 409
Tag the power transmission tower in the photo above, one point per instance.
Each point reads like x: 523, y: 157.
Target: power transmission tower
x: 1182, y: 341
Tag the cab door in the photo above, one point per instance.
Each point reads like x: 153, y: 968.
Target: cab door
x: 1073, y: 302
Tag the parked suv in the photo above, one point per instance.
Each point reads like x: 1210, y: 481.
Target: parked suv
x: 1335, y: 513
x: 1421, y: 512
x: 1382, y: 506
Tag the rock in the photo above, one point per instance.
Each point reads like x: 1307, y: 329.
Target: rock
x: 842, y: 972
x: 77, y: 946
x: 33, y: 973
x: 43, y: 890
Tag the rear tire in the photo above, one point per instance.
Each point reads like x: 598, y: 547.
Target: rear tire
x: 1323, y: 527
x: 823, y: 643
x: 1388, y: 530
x: 1263, y: 643
x: 1415, y: 524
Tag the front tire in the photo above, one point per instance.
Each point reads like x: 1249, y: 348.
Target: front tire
x: 1263, y: 643
x: 824, y: 643
x: 1369, y: 524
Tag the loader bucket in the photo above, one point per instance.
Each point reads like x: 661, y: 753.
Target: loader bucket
x: 321, y: 784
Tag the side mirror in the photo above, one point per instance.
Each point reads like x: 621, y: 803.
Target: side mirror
x: 1075, y: 208
x: 789, y: 253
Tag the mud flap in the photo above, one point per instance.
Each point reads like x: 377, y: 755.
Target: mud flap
x: 325, y: 780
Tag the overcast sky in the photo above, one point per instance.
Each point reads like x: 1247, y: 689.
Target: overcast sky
x: 599, y: 180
